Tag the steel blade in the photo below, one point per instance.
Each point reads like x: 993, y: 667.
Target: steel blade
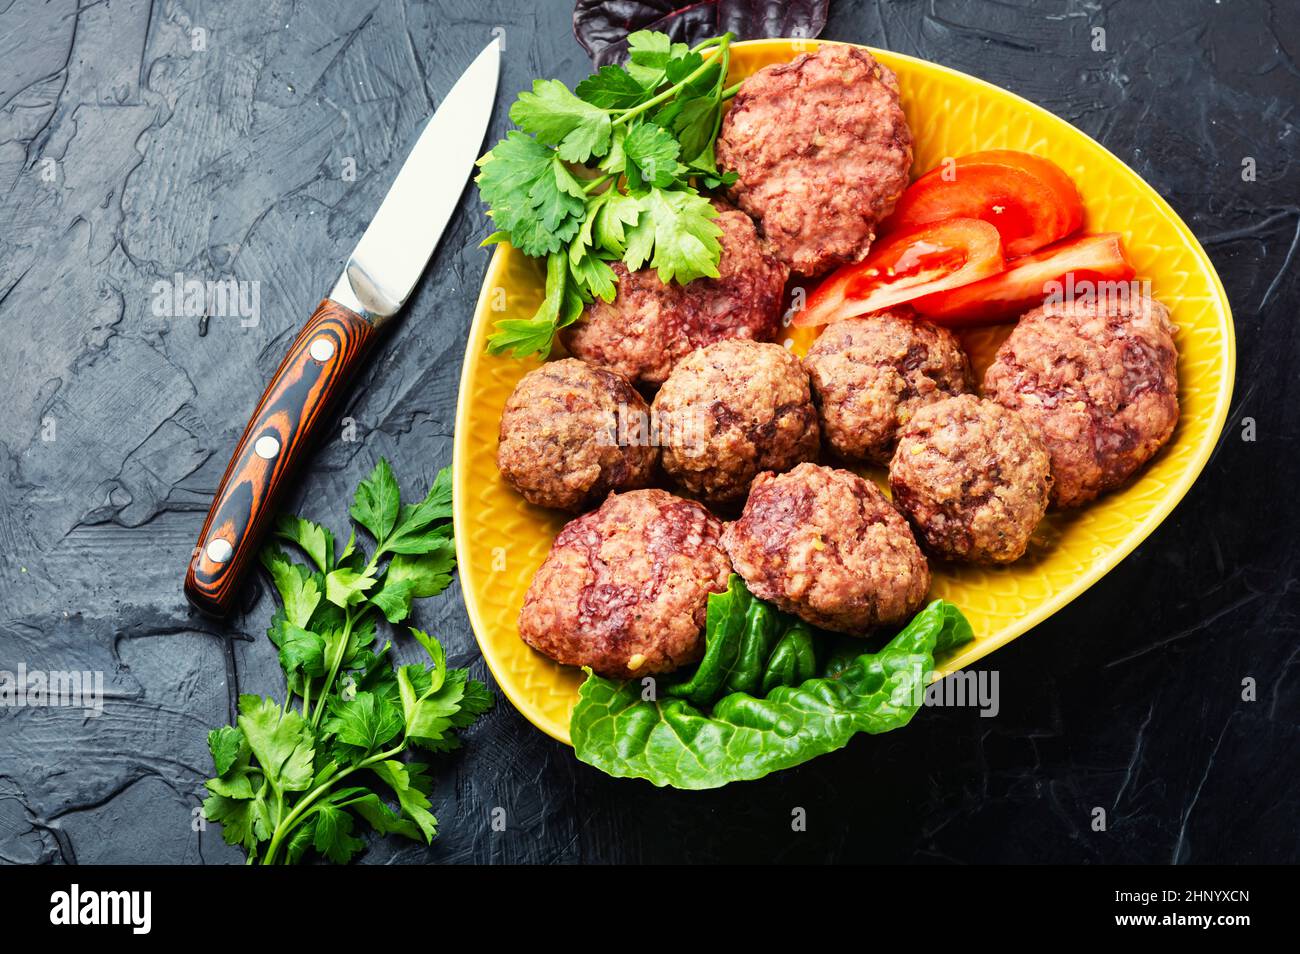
x: 387, y: 262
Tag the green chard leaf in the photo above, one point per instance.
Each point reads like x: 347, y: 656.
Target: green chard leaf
x: 764, y: 629
x: 733, y: 735
x: 793, y: 659
x: 725, y: 631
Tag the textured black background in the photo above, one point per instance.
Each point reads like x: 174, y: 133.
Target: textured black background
x: 228, y: 161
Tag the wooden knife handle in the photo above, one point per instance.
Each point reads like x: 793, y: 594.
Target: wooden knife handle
x: 321, y: 362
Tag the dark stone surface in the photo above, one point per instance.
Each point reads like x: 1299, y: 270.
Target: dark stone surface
x: 228, y: 161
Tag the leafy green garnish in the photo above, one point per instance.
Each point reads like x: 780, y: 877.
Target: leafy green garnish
x: 279, y: 769
x: 610, y: 172
x: 760, y: 700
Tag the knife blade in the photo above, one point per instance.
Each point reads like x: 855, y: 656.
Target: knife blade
x: 377, y: 280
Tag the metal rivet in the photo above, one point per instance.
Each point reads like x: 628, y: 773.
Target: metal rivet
x: 322, y: 349
x: 219, y: 550
x: 266, y: 447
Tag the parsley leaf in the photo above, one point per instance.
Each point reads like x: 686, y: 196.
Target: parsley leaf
x: 225, y: 745
x: 346, y: 587
x: 558, y: 118
x: 651, y: 156
x: 279, y: 790
x: 377, y: 501
x: 686, y: 237
x: 299, y: 590
x: 280, y: 741
x: 517, y: 177
x: 332, y: 835
x: 366, y: 720
x: 606, y: 172
x: 612, y: 87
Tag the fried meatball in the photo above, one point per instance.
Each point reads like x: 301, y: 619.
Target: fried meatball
x: 972, y: 478
x: 571, y: 433
x: 650, y: 326
x: 1098, y: 382
x: 822, y: 151
x: 828, y: 546
x: 625, y: 588
x: 871, y: 374
x: 731, y: 410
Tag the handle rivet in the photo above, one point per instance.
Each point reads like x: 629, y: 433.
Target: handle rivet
x: 321, y: 349
x: 266, y: 447
x: 219, y: 550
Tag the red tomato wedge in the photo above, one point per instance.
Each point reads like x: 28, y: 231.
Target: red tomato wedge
x: 1029, y: 280
x: 904, y: 266
x: 1030, y: 200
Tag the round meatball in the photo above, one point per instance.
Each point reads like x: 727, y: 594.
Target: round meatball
x: 973, y: 479
x: 625, y: 588
x: 731, y: 410
x: 828, y: 546
x: 822, y: 151
x: 571, y: 433
x: 871, y: 374
x: 650, y: 326
x: 1098, y: 382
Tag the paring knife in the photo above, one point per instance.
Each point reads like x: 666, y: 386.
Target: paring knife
x: 375, y: 284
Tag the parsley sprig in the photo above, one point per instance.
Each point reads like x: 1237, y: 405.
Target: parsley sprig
x: 279, y: 789
x: 609, y: 172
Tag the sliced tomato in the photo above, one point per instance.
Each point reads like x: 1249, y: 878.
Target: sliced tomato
x: 905, y: 266
x: 1030, y: 200
x: 1029, y: 280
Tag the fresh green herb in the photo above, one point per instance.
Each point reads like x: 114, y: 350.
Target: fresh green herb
x: 295, y: 778
x: 712, y: 728
x: 610, y: 172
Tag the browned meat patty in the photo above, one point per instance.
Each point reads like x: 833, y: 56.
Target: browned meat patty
x: 828, y: 546
x: 650, y: 326
x: 571, y: 433
x: 973, y: 479
x: 731, y: 410
x: 822, y: 150
x: 1098, y: 382
x: 625, y: 588
x: 871, y: 374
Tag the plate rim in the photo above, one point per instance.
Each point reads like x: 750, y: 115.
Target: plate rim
x: 975, y: 651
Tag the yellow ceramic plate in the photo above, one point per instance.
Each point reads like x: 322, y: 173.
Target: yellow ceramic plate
x: 500, y: 540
